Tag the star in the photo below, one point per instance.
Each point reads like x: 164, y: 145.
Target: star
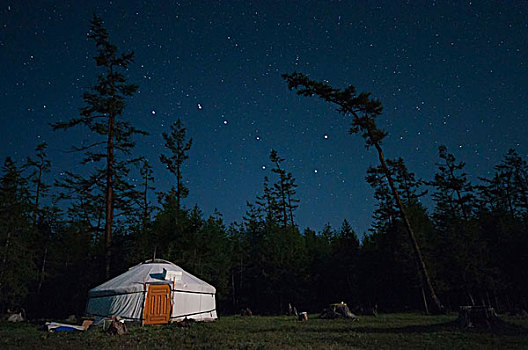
x: 237, y: 72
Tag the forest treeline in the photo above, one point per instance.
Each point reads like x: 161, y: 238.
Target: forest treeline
x: 59, y: 239
x: 474, y: 240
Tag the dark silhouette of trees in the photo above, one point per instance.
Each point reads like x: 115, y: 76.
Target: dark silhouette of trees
x: 502, y: 223
x: 364, y: 111
x: 278, y: 203
x: 512, y: 175
x: 38, y: 167
x: 389, y: 237
x: 17, y: 271
x: 345, y: 263
x: 146, y: 186
x: 175, y: 227
x: 102, y: 115
x: 283, y: 193
x: 267, y: 202
x: 463, y: 264
x: 179, y: 148
x: 142, y: 238
x: 473, y: 238
x: 270, y: 251
x: 261, y: 264
x: 280, y: 189
x: 453, y: 191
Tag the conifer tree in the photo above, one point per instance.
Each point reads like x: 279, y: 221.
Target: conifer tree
x: 513, y: 171
x: 364, y: 110
x: 345, y: 256
x: 407, y: 185
x: 39, y: 166
x: 253, y: 218
x: 291, y: 201
x: 146, y: 174
x: 386, y: 211
x: 267, y: 202
x: 464, y: 261
x: 103, y: 116
x: 280, y: 188
x: 502, y: 219
x: 453, y: 190
x: 283, y: 192
x: 179, y: 148
x: 387, y: 228
x: 16, y: 264
x: 84, y: 195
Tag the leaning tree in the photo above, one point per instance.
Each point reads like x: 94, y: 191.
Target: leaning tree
x: 364, y: 110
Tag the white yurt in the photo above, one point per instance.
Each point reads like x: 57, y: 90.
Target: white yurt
x: 154, y: 292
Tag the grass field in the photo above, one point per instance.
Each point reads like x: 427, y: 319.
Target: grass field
x: 387, y: 331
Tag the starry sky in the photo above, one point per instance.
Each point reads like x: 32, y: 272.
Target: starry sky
x: 448, y: 73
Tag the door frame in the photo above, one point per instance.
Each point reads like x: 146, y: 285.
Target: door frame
x: 151, y: 288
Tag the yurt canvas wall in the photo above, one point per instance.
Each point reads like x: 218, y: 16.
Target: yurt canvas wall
x: 147, y: 287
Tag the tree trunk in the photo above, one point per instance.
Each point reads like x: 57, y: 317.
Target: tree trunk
x: 284, y: 205
x: 178, y: 193
x: 425, y: 281
x: 497, y: 305
x: 37, y: 195
x: 233, y: 288
x: 424, y: 300
x: 240, y: 283
x: 109, y: 195
x: 4, y: 258
x: 459, y: 196
x: 145, y: 203
x: 471, y: 299
x: 290, y: 208
x: 42, y: 271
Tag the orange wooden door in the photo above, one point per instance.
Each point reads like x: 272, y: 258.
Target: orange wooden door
x: 157, y: 304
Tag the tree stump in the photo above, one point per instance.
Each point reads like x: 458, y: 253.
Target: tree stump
x: 246, y: 312
x: 117, y: 327
x: 477, y: 316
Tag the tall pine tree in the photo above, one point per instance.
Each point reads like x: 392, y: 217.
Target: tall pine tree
x: 102, y: 115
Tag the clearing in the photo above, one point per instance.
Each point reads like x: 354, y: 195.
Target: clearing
x: 386, y: 331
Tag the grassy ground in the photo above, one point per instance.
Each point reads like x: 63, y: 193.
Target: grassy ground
x: 390, y: 331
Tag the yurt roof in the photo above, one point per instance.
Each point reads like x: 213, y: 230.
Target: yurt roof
x: 151, y: 272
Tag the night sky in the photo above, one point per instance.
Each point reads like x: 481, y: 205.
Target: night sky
x: 447, y: 73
